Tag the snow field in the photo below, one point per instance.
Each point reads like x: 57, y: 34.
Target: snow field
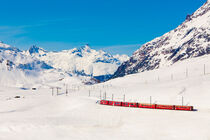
x: 39, y: 115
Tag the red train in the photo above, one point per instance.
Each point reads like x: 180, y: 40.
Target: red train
x: 142, y: 105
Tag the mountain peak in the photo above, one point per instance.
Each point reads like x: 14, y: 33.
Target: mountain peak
x: 34, y: 49
x: 86, y: 48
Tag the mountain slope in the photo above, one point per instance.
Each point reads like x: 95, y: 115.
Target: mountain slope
x: 190, y: 39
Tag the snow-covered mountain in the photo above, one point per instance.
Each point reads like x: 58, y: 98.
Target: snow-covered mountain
x: 190, y: 39
x: 13, y: 58
x: 39, y: 66
x: 18, y: 69
x: 82, y: 61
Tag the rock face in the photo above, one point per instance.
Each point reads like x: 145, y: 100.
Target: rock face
x: 190, y: 39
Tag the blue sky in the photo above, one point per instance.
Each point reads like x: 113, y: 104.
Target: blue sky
x: 117, y: 26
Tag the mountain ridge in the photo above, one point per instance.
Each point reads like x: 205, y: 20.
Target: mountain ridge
x: 82, y: 61
x: 190, y: 39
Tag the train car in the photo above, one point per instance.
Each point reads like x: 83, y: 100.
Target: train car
x: 104, y: 102
x: 187, y: 108
x: 170, y: 107
x: 125, y: 104
x: 116, y: 103
x: 152, y: 106
x: 111, y: 103
x: 133, y: 105
x: 143, y: 105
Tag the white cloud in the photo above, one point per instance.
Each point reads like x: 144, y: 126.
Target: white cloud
x: 10, y: 31
x: 16, y: 35
x: 12, y: 35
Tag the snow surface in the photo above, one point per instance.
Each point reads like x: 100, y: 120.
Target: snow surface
x: 38, y: 115
x: 35, y: 106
